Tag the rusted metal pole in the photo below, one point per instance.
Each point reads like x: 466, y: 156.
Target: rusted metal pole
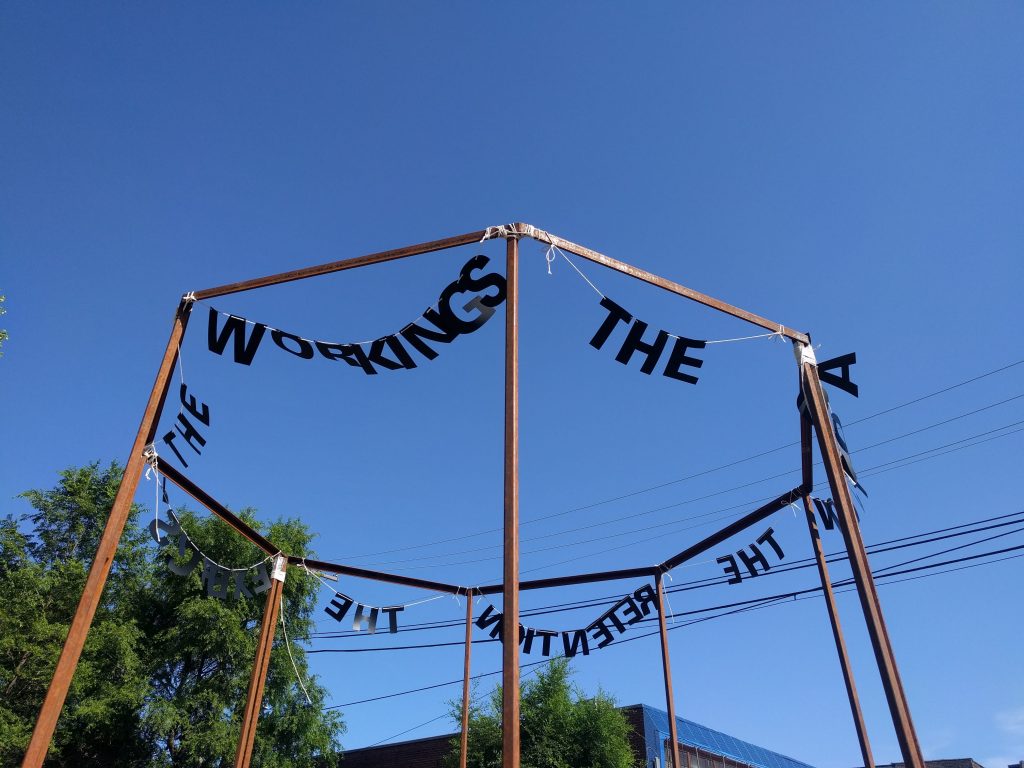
x: 870, y: 604
x: 652, y: 279
x: 510, y: 593
x: 669, y: 697
x: 464, y: 753
x: 254, y: 698
x: 339, y: 266
x: 807, y: 464
x: 105, y: 551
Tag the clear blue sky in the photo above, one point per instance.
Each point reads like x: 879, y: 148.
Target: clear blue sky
x: 853, y: 170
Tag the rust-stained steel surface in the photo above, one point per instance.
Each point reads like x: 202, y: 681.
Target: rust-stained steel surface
x: 732, y: 529
x: 807, y: 467
x: 254, y: 696
x: 670, y: 701
x: 339, y: 266
x: 216, y: 507
x: 464, y: 735
x: 660, y: 282
x: 510, y: 592
x: 870, y: 604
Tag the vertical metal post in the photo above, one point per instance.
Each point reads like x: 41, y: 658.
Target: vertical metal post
x: 105, y: 551
x: 669, y: 698
x: 807, y: 460
x: 464, y: 754
x: 870, y: 604
x: 254, y: 697
x: 510, y: 591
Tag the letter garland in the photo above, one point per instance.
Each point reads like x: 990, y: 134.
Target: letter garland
x: 843, y: 382
x: 651, y: 350
x: 183, y: 427
x: 441, y: 325
x: 752, y: 560
x: 365, y: 617
x: 627, y: 611
x: 219, y: 581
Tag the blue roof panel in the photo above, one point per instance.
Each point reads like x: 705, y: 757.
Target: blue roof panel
x: 693, y: 734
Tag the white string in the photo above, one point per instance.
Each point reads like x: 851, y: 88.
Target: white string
x: 506, y: 230
x: 288, y: 647
x: 585, y: 278
x: 210, y: 559
x: 152, y: 472
x: 779, y: 334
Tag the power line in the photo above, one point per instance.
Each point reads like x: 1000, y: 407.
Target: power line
x: 867, y: 472
x: 764, y: 602
x: 691, y: 476
x: 942, y: 534
x: 939, y: 534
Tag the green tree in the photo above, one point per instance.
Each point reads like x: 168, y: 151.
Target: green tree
x: 164, y: 672
x: 559, y: 726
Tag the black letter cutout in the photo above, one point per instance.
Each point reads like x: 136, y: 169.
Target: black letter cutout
x: 843, y: 382
x: 234, y: 327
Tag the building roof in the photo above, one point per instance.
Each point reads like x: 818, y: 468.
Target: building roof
x: 656, y: 732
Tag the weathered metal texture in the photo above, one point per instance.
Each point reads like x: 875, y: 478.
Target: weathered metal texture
x: 464, y: 740
x: 510, y: 593
x: 258, y: 678
x: 670, y: 701
x: 680, y: 290
x: 105, y: 551
x: 216, y: 507
x: 387, y: 578
x: 568, y: 581
x: 339, y: 266
x: 870, y: 604
x: 732, y: 529
x: 807, y: 467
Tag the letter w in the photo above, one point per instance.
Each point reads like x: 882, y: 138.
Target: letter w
x: 234, y: 327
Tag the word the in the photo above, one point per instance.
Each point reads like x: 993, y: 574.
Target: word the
x: 752, y: 560
x: 650, y: 350
x: 626, y: 612
x: 365, y: 617
x: 445, y: 325
x: 183, y: 427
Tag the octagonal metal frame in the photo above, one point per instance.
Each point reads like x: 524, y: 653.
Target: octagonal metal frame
x: 814, y: 421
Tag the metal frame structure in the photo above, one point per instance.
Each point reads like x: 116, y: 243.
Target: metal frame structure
x: 815, y: 422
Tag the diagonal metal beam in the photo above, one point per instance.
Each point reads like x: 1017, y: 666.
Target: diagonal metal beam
x: 732, y: 529
x: 680, y: 290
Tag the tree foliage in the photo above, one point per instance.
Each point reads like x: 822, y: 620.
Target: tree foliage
x: 559, y: 726
x: 164, y: 672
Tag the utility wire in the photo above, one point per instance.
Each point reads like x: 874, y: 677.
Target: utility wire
x: 764, y: 602
x: 799, y: 565
x: 880, y: 547
x: 694, y: 475
x: 867, y: 472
